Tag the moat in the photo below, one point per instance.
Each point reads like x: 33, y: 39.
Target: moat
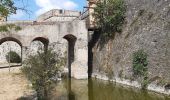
x: 94, y: 89
x: 126, y: 41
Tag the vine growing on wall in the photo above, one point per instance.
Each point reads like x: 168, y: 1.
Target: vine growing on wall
x: 109, y: 16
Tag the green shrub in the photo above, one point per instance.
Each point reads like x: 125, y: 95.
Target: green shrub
x: 140, y: 67
x: 140, y: 63
x: 144, y: 82
x: 13, y: 57
x: 109, y: 16
x: 42, y: 70
x: 18, y: 28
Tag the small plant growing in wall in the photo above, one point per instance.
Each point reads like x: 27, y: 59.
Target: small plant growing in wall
x: 9, y: 27
x: 140, y: 66
x: 109, y: 16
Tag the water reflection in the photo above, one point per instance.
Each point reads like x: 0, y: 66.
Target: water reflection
x: 93, y: 89
x: 90, y: 89
x: 71, y: 95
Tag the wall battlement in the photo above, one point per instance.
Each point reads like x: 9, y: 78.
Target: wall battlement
x: 59, y: 15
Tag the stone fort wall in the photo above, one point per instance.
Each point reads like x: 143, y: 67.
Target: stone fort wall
x: 59, y: 15
x: 147, y: 27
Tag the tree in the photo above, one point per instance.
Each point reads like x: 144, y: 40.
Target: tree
x: 42, y: 70
x: 109, y: 16
x: 7, y: 7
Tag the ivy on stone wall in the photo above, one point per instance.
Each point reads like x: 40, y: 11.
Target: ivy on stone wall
x: 8, y: 27
x: 109, y: 16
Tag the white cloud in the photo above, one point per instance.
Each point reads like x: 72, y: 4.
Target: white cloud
x: 19, y: 14
x: 46, y: 5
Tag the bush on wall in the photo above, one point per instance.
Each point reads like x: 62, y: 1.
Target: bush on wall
x: 140, y: 68
x: 140, y: 63
x: 9, y: 27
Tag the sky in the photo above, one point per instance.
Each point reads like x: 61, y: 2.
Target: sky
x: 38, y: 7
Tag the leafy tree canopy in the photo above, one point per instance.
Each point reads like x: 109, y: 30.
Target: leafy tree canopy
x: 109, y: 16
x: 7, y: 7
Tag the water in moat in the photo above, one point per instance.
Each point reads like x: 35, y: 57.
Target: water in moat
x: 94, y: 89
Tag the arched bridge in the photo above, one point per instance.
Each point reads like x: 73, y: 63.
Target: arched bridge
x: 64, y: 36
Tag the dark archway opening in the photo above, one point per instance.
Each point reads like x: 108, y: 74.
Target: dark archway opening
x: 43, y: 40
x: 70, y: 51
x: 13, y: 48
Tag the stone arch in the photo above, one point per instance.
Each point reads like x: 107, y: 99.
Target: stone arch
x: 6, y: 39
x: 10, y: 39
x: 70, y: 51
x: 44, y: 40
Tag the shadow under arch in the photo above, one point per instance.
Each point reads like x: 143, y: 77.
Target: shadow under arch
x: 70, y: 51
x: 5, y: 39
x: 44, y: 40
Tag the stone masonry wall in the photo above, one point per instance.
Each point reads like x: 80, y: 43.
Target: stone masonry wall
x: 147, y: 27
